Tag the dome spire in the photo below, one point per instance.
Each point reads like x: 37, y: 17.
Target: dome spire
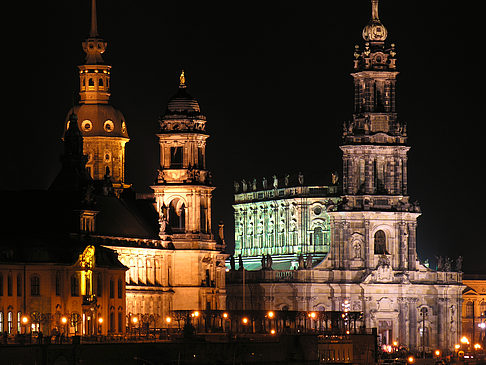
x: 374, y: 10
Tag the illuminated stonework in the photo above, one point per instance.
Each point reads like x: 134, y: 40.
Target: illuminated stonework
x: 372, y: 264
x: 284, y: 222
x: 103, y: 127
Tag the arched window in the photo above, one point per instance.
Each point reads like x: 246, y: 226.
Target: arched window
x: 35, y: 286
x: 318, y: 236
x: 100, y: 82
x: 9, y: 322
x: 380, y: 243
x: 177, y: 216
x: 74, y: 286
x: 90, y: 82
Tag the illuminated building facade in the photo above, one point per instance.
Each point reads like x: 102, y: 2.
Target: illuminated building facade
x: 372, y: 263
x: 283, y: 222
x: 474, y: 309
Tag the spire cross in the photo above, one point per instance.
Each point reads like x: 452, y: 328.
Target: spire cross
x: 93, y: 33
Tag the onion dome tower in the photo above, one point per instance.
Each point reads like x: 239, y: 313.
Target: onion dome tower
x: 102, y: 126
x: 183, y: 187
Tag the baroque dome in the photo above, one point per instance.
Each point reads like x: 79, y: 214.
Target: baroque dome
x: 99, y: 120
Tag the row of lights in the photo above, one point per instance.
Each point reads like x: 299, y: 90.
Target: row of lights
x: 25, y: 320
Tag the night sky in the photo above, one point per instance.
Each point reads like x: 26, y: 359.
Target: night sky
x: 273, y: 79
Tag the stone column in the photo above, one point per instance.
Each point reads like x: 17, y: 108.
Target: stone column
x: 412, y: 328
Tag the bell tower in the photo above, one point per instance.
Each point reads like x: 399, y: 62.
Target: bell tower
x: 183, y: 187
x: 102, y: 126
x: 376, y: 221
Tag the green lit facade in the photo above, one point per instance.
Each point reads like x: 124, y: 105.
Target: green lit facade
x: 286, y: 223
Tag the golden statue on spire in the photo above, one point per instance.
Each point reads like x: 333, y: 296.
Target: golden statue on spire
x: 182, y: 79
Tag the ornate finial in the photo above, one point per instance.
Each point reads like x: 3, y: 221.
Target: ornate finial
x: 182, y: 80
x: 374, y: 10
x: 93, y: 33
x: 374, y: 30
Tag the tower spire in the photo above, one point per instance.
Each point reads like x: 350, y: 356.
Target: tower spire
x: 374, y: 10
x: 93, y: 33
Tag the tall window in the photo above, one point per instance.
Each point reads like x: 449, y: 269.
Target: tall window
x: 470, y: 309
x: 9, y: 322
x: 19, y: 322
x: 74, y: 286
x: 176, y: 157
x: 19, y: 285
x: 120, y: 288
x: 318, y: 236
x: 380, y: 243
x: 177, y: 216
x: 99, y: 285
x: 1, y: 322
x: 58, y: 283
x: 35, y: 286
x: 1, y: 284
x: 9, y: 285
x: 112, y: 288
x: 120, y: 322
x: 112, y: 321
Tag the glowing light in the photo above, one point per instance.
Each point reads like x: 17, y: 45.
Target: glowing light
x: 270, y: 314
x: 464, y: 340
x: 100, y: 320
x: 457, y: 346
x: 272, y: 331
x: 437, y: 352
x: 482, y: 325
x: 477, y: 346
x: 225, y: 315
x: 395, y: 343
x: 25, y: 320
x: 312, y: 315
x: 168, y: 319
x: 195, y: 314
x: 244, y: 320
x: 411, y: 359
x: 134, y: 319
x: 63, y: 320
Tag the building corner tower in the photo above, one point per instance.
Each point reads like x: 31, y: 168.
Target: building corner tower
x: 102, y: 126
x: 183, y: 187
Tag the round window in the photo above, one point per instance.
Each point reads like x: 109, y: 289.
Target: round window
x: 124, y: 127
x: 108, y: 126
x: 86, y: 125
x: 317, y: 210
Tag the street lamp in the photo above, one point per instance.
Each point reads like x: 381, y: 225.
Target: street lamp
x: 25, y: 321
x: 100, y: 322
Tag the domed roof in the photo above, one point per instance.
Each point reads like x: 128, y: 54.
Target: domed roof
x: 183, y: 103
x: 99, y: 120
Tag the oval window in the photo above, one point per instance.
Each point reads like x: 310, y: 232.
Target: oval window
x: 108, y: 126
x: 86, y: 125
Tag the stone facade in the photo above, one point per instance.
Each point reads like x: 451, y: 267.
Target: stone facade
x: 91, y: 299
x: 284, y: 223
x: 372, y: 263
x: 474, y: 309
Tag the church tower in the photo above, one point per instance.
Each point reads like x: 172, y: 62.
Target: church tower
x: 376, y: 220
x: 183, y: 188
x: 102, y: 126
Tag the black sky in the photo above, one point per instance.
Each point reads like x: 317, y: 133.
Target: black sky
x: 273, y: 79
